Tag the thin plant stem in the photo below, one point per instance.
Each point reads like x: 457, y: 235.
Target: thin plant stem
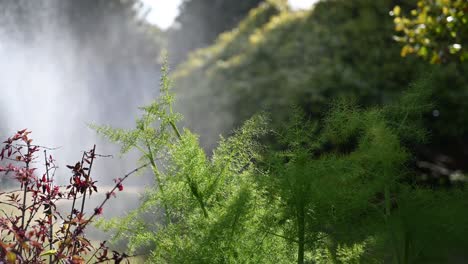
x: 51, y: 229
x: 72, y: 207
x: 87, y: 181
x: 158, y: 179
x: 89, y: 175
x: 25, y: 186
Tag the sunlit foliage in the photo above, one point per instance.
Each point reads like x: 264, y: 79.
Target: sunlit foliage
x: 434, y: 30
x: 199, y: 23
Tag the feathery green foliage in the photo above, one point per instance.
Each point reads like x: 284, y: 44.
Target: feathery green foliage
x: 330, y: 191
x: 206, y: 207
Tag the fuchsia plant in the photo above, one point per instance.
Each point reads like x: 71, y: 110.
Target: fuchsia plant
x: 32, y: 230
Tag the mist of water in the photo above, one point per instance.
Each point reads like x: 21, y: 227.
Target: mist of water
x: 56, y: 77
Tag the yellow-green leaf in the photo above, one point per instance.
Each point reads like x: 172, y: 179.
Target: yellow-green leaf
x: 397, y: 10
x: 422, y: 52
x: 49, y: 252
x: 11, y: 257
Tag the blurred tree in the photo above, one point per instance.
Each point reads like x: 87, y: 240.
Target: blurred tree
x: 338, y: 49
x: 200, y: 22
x: 276, y: 57
x: 435, y: 30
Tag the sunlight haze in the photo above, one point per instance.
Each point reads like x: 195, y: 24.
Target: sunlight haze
x: 163, y: 12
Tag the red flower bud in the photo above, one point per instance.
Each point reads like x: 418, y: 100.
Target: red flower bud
x: 98, y: 210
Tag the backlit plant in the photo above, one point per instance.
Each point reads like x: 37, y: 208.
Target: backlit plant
x: 32, y: 230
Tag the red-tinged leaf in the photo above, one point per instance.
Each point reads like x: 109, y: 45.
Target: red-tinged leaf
x: 22, y: 131
x: 84, y: 241
x: 104, y: 253
x: 25, y: 246
x: 10, y: 150
x: 77, y: 260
